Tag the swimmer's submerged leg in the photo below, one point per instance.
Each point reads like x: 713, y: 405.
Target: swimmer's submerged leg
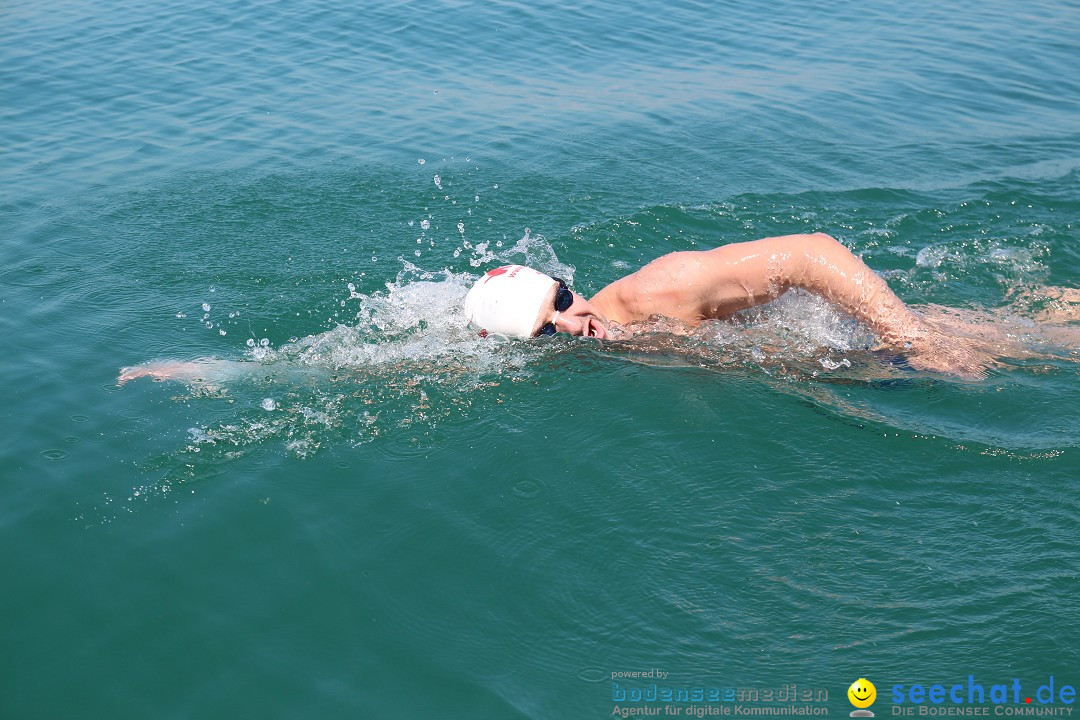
x: 1063, y: 305
x: 972, y: 341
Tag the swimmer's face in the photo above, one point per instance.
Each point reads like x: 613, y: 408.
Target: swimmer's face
x: 581, y: 318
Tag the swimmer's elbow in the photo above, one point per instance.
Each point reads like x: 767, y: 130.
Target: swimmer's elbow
x: 817, y: 245
x: 810, y: 254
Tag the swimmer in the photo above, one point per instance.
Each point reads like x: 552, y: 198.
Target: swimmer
x: 695, y: 286
x: 692, y: 287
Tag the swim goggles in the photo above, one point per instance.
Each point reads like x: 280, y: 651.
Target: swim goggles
x: 563, y: 300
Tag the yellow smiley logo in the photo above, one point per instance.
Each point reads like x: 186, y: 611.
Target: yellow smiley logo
x: 862, y: 693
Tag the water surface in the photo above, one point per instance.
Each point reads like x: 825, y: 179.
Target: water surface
x: 378, y: 515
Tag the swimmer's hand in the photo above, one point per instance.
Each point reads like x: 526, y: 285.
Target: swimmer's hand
x: 950, y: 354
x: 196, y: 371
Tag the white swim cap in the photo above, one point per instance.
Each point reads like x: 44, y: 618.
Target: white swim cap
x: 508, y: 300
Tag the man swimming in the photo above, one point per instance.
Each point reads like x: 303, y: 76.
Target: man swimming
x: 692, y: 287
x: 696, y: 286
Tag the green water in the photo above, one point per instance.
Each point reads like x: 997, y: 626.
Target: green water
x: 374, y: 513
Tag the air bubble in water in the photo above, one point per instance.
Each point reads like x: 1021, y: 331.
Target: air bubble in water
x: 425, y: 224
x: 181, y: 315
x: 269, y: 404
x: 421, y: 161
x: 213, y: 288
x: 206, y: 307
x: 221, y: 332
x: 251, y: 342
x: 264, y: 342
x: 438, y: 182
x: 374, y: 258
x: 833, y: 365
x: 461, y: 228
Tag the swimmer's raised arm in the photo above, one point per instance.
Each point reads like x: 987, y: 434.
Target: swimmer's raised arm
x: 696, y: 286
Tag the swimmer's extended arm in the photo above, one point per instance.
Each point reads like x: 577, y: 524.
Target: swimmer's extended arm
x: 822, y: 265
x: 198, y: 372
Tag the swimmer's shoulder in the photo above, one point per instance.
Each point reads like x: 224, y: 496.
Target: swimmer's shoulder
x: 658, y: 288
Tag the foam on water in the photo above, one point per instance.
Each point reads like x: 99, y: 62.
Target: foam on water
x: 405, y: 362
